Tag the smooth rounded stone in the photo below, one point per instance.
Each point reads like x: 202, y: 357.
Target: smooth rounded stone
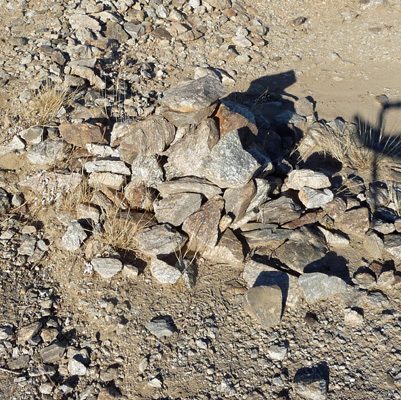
x: 53, y: 353
x: 163, y: 272
x: 229, y: 165
x: 194, y: 95
x: 32, y: 135
x: 277, y: 352
x: 113, y: 166
x: 176, y: 208
x: 299, y: 178
x: 82, y: 134
x: 28, y: 332
x: 47, y: 152
x: 4, y: 202
x: 202, y: 226
x: 74, y: 237
x: 310, y: 384
x: 161, y: 327
x: 264, y: 303
x: 280, y: 211
x: 148, y: 137
x: 107, y: 267
x: 352, y: 317
x: 355, y: 221
x: 317, y: 286
x: 188, y: 153
x: 75, y: 367
x: 159, y: 240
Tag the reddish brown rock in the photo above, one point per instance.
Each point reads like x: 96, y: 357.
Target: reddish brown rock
x: 139, y: 196
x: 81, y: 134
x: 355, y: 221
x: 237, y: 200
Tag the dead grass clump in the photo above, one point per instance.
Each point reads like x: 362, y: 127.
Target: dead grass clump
x: 358, y: 146
x: 45, y: 105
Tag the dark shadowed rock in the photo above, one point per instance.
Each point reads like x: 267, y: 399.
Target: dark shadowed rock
x: 202, y: 226
x: 175, y: 208
x: 228, y: 164
x: 265, y: 304
x: 392, y: 244
x: 310, y: 384
x: 304, y: 247
x: 194, y: 95
x: 148, y: 137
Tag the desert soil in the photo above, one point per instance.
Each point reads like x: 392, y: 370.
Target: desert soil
x: 343, y: 55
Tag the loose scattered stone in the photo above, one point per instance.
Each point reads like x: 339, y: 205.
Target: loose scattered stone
x: 53, y: 353
x: 74, y: 237
x: 317, y: 286
x: 277, y: 352
x: 299, y: 178
x: 107, y: 267
x: 310, y: 384
x: 161, y: 327
x: 28, y: 332
x: 75, y: 367
x: 163, y: 272
x: 264, y: 303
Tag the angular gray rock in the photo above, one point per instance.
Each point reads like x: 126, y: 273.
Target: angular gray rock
x: 163, y: 272
x: 229, y: 165
x: 315, y: 198
x: 264, y: 303
x: 187, y: 154
x: 279, y: 211
x: 147, y: 138
x: 176, y: 208
x: 76, y: 367
x: 99, y: 179
x: 237, y: 200
x: 299, y: 178
x: 310, y: 384
x: 202, y: 226
x: 188, y: 185
x: 354, y: 222
x: 264, y: 236
x: 159, y: 240
x: 194, y: 95
x: 161, y: 327
x: 47, y: 152
x: 392, y: 244
x: 317, y: 286
x: 74, y: 237
x: 107, y: 267
x: 53, y: 353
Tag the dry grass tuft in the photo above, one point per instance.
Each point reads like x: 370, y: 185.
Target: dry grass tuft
x: 45, y: 105
x: 358, y: 146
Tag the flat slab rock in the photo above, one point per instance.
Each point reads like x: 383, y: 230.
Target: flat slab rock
x: 317, y: 286
x: 194, y: 95
x: 279, y: 211
x: 203, y: 225
x: 229, y: 165
x: 188, y: 185
x: 299, y: 178
x: 81, y: 134
x: 161, y: 327
x: 264, y: 303
x: 107, y: 267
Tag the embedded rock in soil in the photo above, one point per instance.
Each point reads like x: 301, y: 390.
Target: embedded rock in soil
x: 163, y: 272
x: 74, y: 236
x: 317, y: 286
x: 161, y: 327
x: 310, y: 384
x: 229, y: 165
x: 194, y: 95
x: 264, y: 303
x: 107, y: 267
x: 203, y: 225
